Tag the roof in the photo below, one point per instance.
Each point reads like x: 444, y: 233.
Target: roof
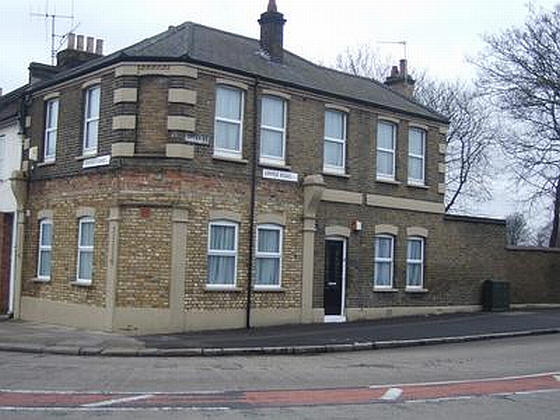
x: 9, y: 103
x: 200, y: 44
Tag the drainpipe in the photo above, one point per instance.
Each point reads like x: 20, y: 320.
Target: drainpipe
x: 253, y: 202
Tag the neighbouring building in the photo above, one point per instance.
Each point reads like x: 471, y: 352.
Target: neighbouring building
x: 201, y: 179
x: 11, y: 127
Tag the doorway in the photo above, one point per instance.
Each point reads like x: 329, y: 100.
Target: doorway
x: 335, y: 279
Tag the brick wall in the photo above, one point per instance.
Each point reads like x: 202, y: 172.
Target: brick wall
x: 64, y: 197
x: 460, y: 254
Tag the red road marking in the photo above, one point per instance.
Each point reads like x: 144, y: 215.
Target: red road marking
x: 45, y: 400
x: 274, y: 398
x: 499, y: 386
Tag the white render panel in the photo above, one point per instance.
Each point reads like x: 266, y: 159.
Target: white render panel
x: 11, y: 161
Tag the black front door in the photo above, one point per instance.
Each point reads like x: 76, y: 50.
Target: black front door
x: 334, y: 265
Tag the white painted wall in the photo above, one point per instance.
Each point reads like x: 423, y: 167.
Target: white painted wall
x: 10, y: 160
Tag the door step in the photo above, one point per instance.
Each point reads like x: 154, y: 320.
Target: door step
x: 334, y: 318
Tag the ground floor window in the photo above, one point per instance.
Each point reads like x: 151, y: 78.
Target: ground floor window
x: 85, y: 250
x: 222, y: 253
x: 45, y: 250
x: 415, y: 262
x: 383, y: 261
x: 269, y: 255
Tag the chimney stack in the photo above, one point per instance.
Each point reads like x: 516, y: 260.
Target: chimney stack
x: 77, y: 53
x: 400, y: 81
x: 272, y: 32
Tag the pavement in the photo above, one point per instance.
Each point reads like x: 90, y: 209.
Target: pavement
x: 34, y: 337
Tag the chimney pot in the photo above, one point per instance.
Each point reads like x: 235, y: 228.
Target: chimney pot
x: 80, y: 43
x: 402, y: 65
x: 71, y: 41
x: 89, y: 44
x: 272, y: 6
x: 99, y: 47
x: 394, y: 71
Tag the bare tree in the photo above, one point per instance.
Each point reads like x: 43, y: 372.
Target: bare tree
x: 517, y: 229
x: 471, y: 131
x: 542, y: 236
x: 520, y: 70
x: 470, y: 139
x: 364, y: 60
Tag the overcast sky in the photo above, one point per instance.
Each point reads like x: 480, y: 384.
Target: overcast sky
x: 439, y: 33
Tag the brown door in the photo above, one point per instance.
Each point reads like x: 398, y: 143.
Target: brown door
x: 6, y: 224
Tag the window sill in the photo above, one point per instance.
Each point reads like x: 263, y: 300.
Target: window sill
x: 385, y: 290
x: 86, y: 156
x: 81, y: 283
x: 220, y: 288
x: 269, y: 289
x: 46, y: 163
x: 413, y: 185
x: 41, y: 280
x: 334, y: 173
x: 415, y: 290
x: 387, y: 181
x: 230, y: 159
x: 275, y: 165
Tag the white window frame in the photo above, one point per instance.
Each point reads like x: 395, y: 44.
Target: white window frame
x: 48, y: 130
x: 236, y: 154
x: 84, y: 248
x: 44, y: 248
x: 278, y: 255
x: 419, y: 181
x: 331, y: 168
x: 390, y: 260
x: 393, y: 151
x: 416, y: 262
x: 91, y: 148
x: 222, y: 253
x: 268, y: 159
x: 3, y: 148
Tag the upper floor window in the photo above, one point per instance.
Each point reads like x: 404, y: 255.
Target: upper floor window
x: 273, y: 130
x: 91, y: 119
x: 222, y: 254
x: 2, y: 154
x: 228, y: 126
x: 386, y: 145
x: 416, y: 155
x: 45, y: 250
x: 415, y: 263
x: 85, y: 250
x: 269, y: 256
x: 383, y: 267
x: 334, y: 153
x: 51, y: 129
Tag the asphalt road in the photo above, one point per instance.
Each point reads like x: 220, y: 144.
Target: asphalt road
x: 349, y: 375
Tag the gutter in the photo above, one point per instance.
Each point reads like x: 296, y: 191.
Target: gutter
x: 253, y: 202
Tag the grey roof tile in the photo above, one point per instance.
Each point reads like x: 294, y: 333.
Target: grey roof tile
x: 193, y: 42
